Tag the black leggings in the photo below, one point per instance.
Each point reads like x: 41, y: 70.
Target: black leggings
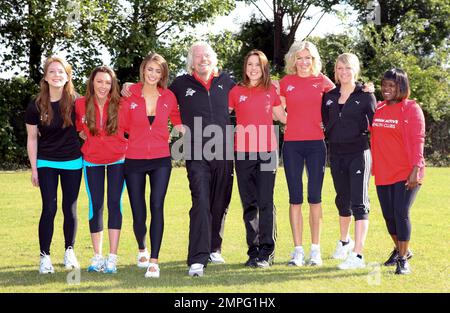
x: 94, y: 177
x: 395, y: 202
x: 48, y: 185
x: 159, y: 181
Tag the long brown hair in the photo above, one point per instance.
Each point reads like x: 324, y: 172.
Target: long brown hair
x: 265, y: 69
x: 113, y: 106
x: 158, y: 59
x: 66, y: 103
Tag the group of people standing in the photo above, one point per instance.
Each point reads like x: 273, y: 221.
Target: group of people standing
x: 128, y: 139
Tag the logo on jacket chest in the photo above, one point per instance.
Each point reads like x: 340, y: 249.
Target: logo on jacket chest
x: 133, y: 105
x: 190, y: 92
x: 242, y: 98
x: 290, y: 88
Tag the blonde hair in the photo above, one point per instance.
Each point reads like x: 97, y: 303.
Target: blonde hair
x: 297, y: 46
x: 190, y: 56
x: 347, y: 59
x: 158, y: 59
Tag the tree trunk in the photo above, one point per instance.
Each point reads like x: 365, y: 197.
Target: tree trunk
x: 34, y: 59
x: 277, y: 47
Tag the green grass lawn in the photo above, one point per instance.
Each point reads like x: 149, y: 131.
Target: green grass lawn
x: 20, y: 207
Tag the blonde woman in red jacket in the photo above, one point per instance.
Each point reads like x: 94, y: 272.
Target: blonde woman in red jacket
x: 144, y: 116
x: 398, y: 136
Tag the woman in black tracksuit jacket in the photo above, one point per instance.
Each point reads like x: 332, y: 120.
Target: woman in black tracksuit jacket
x: 347, y: 112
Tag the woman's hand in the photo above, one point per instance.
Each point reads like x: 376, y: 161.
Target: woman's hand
x: 126, y: 89
x: 82, y: 135
x: 412, y: 180
x: 34, y: 177
x: 369, y: 87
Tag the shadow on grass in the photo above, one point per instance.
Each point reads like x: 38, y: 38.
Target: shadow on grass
x: 174, y: 276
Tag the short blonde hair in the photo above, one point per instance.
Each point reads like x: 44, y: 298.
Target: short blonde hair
x: 347, y: 59
x: 297, y: 46
x: 190, y: 56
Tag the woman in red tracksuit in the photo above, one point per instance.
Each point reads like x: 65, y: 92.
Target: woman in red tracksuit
x: 254, y: 101
x: 144, y: 116
x: 397, y: 140
x: 97, y: 117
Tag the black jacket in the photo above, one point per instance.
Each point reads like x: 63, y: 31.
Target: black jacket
x: 346, y: 129
x: 195, y: 101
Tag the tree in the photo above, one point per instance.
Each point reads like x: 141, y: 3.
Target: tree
x: 433, y: 28
x: 33, y: 29
x: 295, y: 11
x: 156, y: 25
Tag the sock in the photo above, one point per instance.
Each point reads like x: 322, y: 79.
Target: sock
x: 315, y: 247
x: 299, y: 248
x: 112, y: 256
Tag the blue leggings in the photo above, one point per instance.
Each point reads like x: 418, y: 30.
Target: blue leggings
x: 159, y: 181
x: 94, y: 177
x: 296, y: 154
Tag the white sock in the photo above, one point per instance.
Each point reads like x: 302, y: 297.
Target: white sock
x: 112, y: 256
x: 299, y: 248
x: 315, y: 247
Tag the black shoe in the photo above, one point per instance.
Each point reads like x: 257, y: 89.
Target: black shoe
x: 251, y: 262
x: 392, y: 260
x: 402, y: 267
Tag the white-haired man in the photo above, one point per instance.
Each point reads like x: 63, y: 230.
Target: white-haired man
x: 202, y: 95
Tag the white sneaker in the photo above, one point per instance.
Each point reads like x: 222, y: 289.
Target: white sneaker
x: 70, y: 260
x: 298, y: 258
x: 315, y: 259
x: 152, y: 274
x: 342, y: 252
x: 97, y: 264
x: 111, y: 264
x: 45, y: 265
x: 216, y: 258
x: 143, y: 259
x: 196, y: 269
x: 352, y: 262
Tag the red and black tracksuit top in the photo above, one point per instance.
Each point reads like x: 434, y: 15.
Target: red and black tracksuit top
x: 147, y: 141
x: 211, y: 105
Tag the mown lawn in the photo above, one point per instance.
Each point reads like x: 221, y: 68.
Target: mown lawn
x: 20, y: 210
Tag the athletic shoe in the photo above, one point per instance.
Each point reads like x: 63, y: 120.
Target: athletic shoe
x: 263, y: 264
x: 251, y: 262
x: 298, y: 258
x: 143, y: 259
x: 196, y: 270
x: 70, y: 260
x: 392, y: 260
x: 315, y: 259
x: 216, y: 258
x: 352, y: 262
x: 111, y: 265
x: 342, y: 252
x: 402, y: 267
x: 152, y: 274
x: 45, y: 264
x: 97, y: 264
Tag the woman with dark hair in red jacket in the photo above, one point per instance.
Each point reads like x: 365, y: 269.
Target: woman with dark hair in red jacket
x: 103, y: 152
x: 144, y: 116
x: 398, y: 136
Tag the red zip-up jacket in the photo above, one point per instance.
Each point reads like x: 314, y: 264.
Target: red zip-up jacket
x: 413, y: 130
x: 101, y: 148
x: 147, y: 141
